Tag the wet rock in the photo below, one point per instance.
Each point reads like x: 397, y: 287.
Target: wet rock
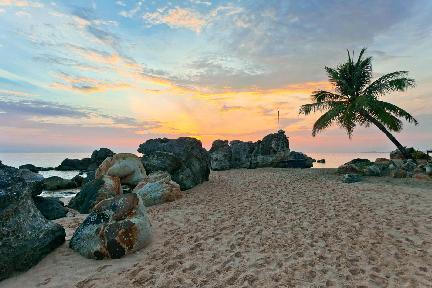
x: 79, y: 180
x: 57, y: 183
x: 98, y: 156
x: 351, y: 178
x: 158, y: 188
x: 126, y: 166
x: 94, y: 192
x: 50, y: 207
x: 220, y: 155
x: 321, y: 161
x: 184, y: 159
x: 26, y: 236
x: 116, y: 227
x: 295, y: 160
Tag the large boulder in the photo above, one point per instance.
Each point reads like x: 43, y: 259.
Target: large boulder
x: 126, y: 166
x: 34, y: 180
x: 220, y: 155
x: 50, y: 207
x: 158, y: 188
x: 414, y: 154
x: 116, y: 227
x: 241, y: 153
x: 94, y: 192
x: 184, y: 159
x: 26, y: 236
x: 272, y: 144
x: 30, y: 167
x: 57, y: 183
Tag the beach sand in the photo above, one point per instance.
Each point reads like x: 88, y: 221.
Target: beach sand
x: 268, y: 228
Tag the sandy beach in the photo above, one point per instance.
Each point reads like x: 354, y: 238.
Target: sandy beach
x: 267, y: 228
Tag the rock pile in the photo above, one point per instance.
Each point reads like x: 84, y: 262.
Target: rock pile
x: 184, y: 159
x: 86, y: 164
x: 397, y: 168
x: 272, y: 151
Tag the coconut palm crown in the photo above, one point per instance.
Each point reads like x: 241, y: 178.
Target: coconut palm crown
x: 356, y: 99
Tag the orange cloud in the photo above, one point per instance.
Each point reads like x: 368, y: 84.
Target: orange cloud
x: 178, y: 17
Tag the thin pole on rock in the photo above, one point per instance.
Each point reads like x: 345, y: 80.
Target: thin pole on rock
x: 278, y: 126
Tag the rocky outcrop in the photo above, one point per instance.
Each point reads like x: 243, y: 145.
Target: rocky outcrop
x: 272, y: 151
x: 220, y: 155
x: 241, y: 154
x: 86, y: 164
x: 116, y: 227
x: 26, y: 236
x: 355, y: 166
x: 50, y: 207
x: 57, y: 183
x: 126, y: 166
x: 184, y: 159
x: 158, y: 188
x: 94, y: 192
x: 33, y: 180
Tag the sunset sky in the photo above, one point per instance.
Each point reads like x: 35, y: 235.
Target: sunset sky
x: 75, y: 77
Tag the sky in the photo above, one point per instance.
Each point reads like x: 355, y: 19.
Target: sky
x: 79, y: 75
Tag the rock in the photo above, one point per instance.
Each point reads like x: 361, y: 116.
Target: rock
x: 79, y: 180
x: 184, y: 159
x: 26, y: 236
x: 355, y: 166
x: 351, y: 178
x: 30, y: 167
x: 399, y: 173
x: 272, y: 144
x: 94, y: 192
x: 428, y: 169
x: 50, y: 207
x: 409, y: 165
x: 74, y: 164
x: 220, y: 155
x: 116, y: 227
x: 373, y: 170
x: 241, y: 153
x: 158, y: 188
x: 34, y: 180
x: 321, y: 161
x: 415, y: 154
x: 294, y: 160
x: 126, y: 166
x: 98, y: 156
x: 57, y: 183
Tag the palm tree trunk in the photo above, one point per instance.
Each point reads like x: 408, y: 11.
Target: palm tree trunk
x: 388, y: 134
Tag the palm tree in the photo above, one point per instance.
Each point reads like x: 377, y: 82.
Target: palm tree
x: 355, y: 100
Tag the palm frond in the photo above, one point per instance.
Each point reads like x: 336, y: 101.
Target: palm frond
x: 321, y: 95
x: 327, y: 119
x: 395, y: 81
x: 306, y: 109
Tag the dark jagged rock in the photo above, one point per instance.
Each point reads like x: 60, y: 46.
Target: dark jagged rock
x: 241, y: 154
x: 351, y: 178
x: 57, y: 183
x: 50, y: 207
x: 34, y: 181
x: 295, y: 160
x: 220, y: 155
x: 184, y: 159
x: 74, y: 164
x: 321, y: 161
x: 78, y: 180
x: 26, y: 236
x: 415, y: 154
x: 86, y: 164
x: 95, y: 191
x: 30, y: 167
x: 116, y: 227
x: 272, y: 144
